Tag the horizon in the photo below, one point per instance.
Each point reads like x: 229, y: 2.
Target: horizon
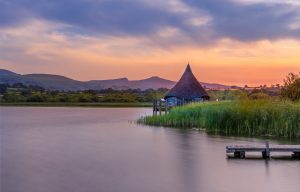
x: 230, y: 42
x: 145, y: 78
x: 154, y: 75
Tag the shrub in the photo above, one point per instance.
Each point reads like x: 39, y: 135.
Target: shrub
x: 291, y: 88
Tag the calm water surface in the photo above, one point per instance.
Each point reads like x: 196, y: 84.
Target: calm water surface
x: 102, y: 150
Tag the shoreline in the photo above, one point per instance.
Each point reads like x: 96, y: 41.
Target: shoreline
x: 249, y: 118
x: 43, y: 104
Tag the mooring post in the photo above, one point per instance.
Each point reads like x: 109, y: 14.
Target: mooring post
x: 153, y: 106
x: 239, y: 154
x: 243, y: 154
x: 266, y: 153
x: 156, y: 107
x: 296, y: 154
x: 160, y: 107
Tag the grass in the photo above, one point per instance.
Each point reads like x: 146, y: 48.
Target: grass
x: 239, y: 118
x: 61, y: 104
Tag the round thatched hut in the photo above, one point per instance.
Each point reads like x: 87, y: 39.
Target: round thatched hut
x: 186, y: 90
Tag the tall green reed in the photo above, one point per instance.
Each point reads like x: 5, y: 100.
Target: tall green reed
x: 242, y: 118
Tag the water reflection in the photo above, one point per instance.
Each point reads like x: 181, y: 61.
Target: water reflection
x: 100, y: 149
x: 188, y: 162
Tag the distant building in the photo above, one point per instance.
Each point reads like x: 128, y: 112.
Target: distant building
x: 188, y: 89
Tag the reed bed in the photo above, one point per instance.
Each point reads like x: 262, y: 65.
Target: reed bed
x: 239, y: 118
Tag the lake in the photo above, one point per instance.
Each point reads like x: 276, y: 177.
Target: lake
x: 103, y: 150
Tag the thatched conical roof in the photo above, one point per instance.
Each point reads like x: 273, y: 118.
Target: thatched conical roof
x: 187, y: 87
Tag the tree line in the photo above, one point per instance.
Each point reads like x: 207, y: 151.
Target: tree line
x: 21, y: 93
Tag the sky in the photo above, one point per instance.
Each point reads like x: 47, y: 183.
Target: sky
x: 234, y: 42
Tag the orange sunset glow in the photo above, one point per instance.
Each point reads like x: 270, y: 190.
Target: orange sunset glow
x: 233, y: 55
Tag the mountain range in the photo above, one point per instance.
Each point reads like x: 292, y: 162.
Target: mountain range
x: 62, y: 83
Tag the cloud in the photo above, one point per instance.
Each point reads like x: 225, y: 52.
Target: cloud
x: 195, y: 22
x: 11, y: 13
x: 95, y: 16
x: 136, y: 38
x: 249, y: 2
x: 40, y: 47
x: 251, y: 22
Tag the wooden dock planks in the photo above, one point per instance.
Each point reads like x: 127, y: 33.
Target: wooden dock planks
x: 239, y: 151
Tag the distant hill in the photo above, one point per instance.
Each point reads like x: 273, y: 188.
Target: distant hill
x: 6, y: 72
x: 57, y: 82
x: 124, y: 83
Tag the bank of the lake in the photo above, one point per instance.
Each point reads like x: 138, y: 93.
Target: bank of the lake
x: 240, y: 118
x: 76, y: 104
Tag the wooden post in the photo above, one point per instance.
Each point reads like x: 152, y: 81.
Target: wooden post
x: 236, y: 154
x: 159, y: 107
x: 239, y: 154
x: 243, y: 154
x: 266, y: 153
x: 156, y: 107
x: 296, y: 155
x: 166, y: 107
x: 153, y: 106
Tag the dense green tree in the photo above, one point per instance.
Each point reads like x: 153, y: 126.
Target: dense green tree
x: 291, y: 88
x: 13, y: 97
x: 3, y: 88
x: 36, y: 97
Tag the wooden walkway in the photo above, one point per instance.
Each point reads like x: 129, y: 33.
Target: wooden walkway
x: 159, y: 107
x: 239, y: 151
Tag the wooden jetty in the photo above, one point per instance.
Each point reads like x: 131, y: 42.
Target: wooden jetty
x: 160, y: 106
x: 239, y: 151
